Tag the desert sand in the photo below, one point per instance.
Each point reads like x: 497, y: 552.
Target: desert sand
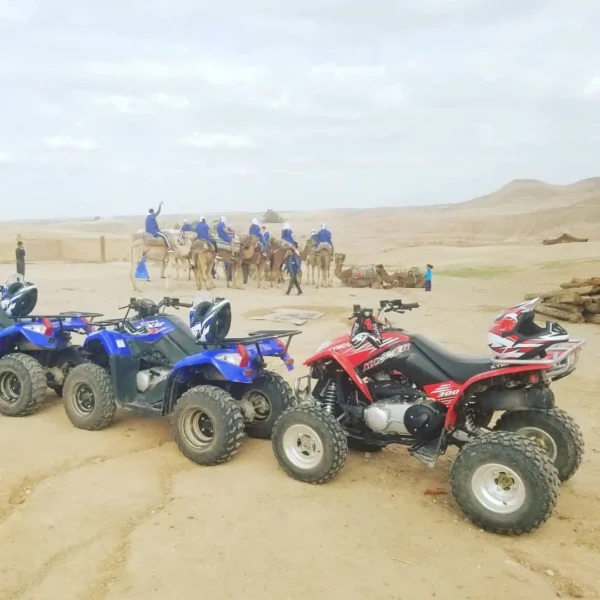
x: 121, y: 514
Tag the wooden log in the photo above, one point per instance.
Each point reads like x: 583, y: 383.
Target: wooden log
x: 588, y: 290
x: 570, y: 308
x: 575, y: 282
x: 559, y: 314
x: 592, y: 319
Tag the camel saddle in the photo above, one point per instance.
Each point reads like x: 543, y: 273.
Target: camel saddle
x: 363, y: 272
x: 150, y: 240
x: 200, y: 245
x: 324, y: 247
x: 233, y: 247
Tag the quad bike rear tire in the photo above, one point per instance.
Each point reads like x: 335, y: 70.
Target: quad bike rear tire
x: 207, y: 425
x: 22, y: 385
x: 309, y: 444
x: 89, y: 397
x: 270, y: 395
x: 505, y: 483
x: 555, y: 431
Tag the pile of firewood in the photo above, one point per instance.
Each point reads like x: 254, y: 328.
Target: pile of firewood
x: 576, y: 302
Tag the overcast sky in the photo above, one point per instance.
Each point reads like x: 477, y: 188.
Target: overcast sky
x: 109, y: 106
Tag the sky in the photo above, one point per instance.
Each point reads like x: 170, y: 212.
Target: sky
x: 108, y: 107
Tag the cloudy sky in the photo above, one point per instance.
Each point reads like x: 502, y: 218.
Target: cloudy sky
x: 109, y: 106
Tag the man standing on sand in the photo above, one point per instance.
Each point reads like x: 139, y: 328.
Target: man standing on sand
x: 20, y: 256
x: 292, y: 265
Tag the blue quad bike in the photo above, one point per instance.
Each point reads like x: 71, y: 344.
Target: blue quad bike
x: 214, y: 388
x: 36, y: 351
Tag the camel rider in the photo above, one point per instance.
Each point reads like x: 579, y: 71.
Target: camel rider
x: 266, y: 236
x: 187, y: 226
x: 255, y: 231
x: 324, y: 236
x: 287, y: 235
x: 203, y: 233
x: 225, y: 232
x: 153, y: 229
x: 314, y: 236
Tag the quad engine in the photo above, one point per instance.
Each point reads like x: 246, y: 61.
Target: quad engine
x: 403, y: 410
x: 146, y: 380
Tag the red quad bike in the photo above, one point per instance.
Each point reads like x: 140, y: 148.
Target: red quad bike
x: 381, y: 385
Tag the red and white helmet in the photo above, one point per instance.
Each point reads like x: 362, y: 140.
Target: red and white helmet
x: 515, y: 334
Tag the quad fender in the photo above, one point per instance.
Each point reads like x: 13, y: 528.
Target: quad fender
x: 345, y: 364
x: 505, y: 397
x: 514, y: 399
x: 20, y: 334
x: 112, y: 342
x: 212, y: 368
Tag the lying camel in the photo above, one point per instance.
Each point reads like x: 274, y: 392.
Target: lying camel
x: 356, y: 276
x: 407, y: 278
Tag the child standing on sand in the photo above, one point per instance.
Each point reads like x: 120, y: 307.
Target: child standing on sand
x: 428, y: 277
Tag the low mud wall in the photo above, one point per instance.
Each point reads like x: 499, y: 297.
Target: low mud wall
x: 71, y: 249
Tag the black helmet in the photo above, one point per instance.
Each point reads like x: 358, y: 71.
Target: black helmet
x: 210, y: 320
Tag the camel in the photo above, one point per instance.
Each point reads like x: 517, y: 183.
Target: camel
x: 276, y: 252
x: 203, y: 258
x: 407, y: 278
x: 183, y: 239
x: 309, y: 258
x: 323, y: 258
x: 356, y: 276
x: 155, y: 251
x: 257, y: 259
x: 248, y: 245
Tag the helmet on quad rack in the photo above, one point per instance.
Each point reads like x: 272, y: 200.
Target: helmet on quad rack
x: 147, y: 308
x: 19, y: 299
x: 210, y: 320
x: 365, y: 329
x: 516, y: 335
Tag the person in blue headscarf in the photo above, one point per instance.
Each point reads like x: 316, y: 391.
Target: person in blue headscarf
x: 224, y: 231
x: 203, y: 232
x: 152, y: 227
x: 324, y: 235
x: 266, y: 236
x: 187, y: 226
x: 255, y: 231
x: 287, y: 235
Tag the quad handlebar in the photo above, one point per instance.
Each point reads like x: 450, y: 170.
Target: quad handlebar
x: 384, y: 306
x: 135, y: 304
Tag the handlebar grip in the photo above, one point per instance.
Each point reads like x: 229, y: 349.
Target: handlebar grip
x: 411, y: 305
x: 185, y: 305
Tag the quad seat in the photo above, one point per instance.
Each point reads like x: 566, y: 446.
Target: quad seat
x: 458, y: 367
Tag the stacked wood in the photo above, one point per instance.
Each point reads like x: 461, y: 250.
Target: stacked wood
x: 577, y: 301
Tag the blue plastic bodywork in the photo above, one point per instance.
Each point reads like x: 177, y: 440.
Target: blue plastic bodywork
x: 33, y: 332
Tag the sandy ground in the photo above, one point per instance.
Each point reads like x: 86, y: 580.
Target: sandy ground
x: 121, y: 514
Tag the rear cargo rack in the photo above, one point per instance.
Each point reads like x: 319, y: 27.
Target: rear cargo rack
x: 562, y: 358
x: 255, y: 338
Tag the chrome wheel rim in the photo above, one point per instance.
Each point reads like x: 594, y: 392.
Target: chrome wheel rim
x: 542, y: 439
x: 303, y: 447
x: 197, y: 428
x: 498, y: 488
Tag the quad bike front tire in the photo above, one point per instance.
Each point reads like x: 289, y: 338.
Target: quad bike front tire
x: 309, y: 444
x: 267, y: 399
x: 505, y: 483
x: 22, y: 385
x: 89, y: 397
x: 207, y: 425
x: 555, y: 431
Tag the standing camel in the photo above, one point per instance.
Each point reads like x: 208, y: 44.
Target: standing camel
x: 202, y: 256
x: 258, y: 259
x: 309, y: 258
x: 155, y: 250
x: 276, y: 253
x: 323, y: 258
x: 184, y: 238
x: 247, y: 247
